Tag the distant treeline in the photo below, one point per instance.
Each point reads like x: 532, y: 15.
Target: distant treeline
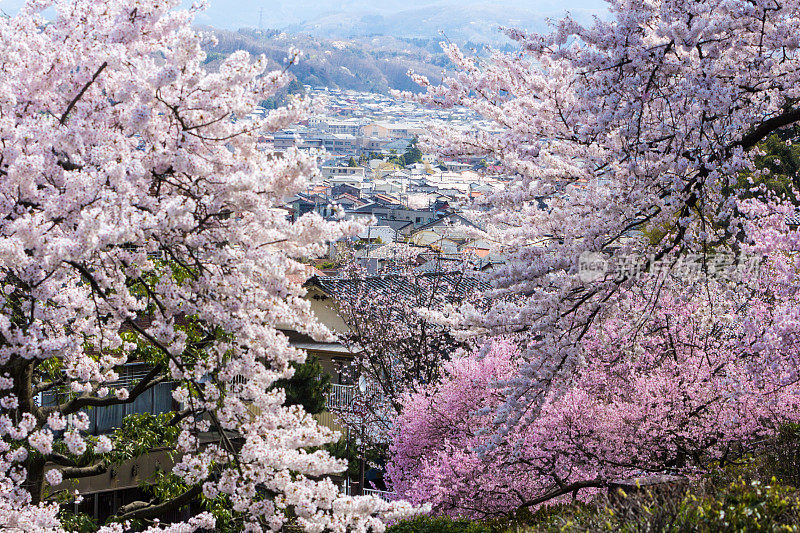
x: 375, y: 64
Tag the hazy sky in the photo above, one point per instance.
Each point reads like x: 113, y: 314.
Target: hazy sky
x: 234, y: 14
x: 275, y: 13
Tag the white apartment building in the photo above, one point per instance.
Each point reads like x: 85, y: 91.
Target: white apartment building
x: 355, y: 174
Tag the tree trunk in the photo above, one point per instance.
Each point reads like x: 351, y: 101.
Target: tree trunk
x: 35, y: 480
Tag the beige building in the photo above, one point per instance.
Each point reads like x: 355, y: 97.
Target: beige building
x: 394, y: 131
x: 329, y: 172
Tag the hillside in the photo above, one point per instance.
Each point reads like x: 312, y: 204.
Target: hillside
x: 474, y: 20
x: 478, y: 23
x: 374, y: 64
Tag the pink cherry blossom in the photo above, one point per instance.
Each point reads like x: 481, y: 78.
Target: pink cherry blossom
x: 680, y: 387
x: 626, y: 138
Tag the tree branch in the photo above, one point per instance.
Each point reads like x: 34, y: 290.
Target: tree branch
x: 761, y: 131
x: 566, y: 489
x: 144, y: 384
x: 61, y: 460
x: 140, y: 510
x: 63, y: 119
x: 72, y: 472
x: 46, y: 386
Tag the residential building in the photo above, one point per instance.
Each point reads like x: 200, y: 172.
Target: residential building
x: 329, y: 172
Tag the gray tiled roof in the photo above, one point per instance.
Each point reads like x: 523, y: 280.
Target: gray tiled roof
x: 450, y: 286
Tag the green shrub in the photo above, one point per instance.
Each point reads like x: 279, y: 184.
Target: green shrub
x: 737, y: 507
x: 781, y: 458
x: 77, y: 523
x: 744, y: 507
x: 439, y: 524
x: 308, y: 386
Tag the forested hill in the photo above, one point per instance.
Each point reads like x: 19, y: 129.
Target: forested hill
x: 374, y: 64
x: 371, y: 47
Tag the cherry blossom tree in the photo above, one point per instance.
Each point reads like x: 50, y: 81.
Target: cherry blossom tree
x: 628, y: 138
x: 639, y: 351
x: 138, y: 222
x: 680, y: 387
x: 398, y: 347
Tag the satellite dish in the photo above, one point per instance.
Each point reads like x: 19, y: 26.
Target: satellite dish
x: 362, y: 384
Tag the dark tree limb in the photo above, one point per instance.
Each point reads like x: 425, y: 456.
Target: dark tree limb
x: 72, y: 472
x: 760, y: 132
x: 153, y: 378
x: 63, y: 119
x: 61, y: 460
x: 566, y: 489
x: 140, y: 510
x: 46, y: 386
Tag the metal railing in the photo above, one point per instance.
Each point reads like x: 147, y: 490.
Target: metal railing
x: 389, y: 496
x: 382, y: 494
x: 341, y: 396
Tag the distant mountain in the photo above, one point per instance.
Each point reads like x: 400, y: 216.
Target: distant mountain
x: 374, y: 64
x: 370, y: 46
x: 474, y: 20
x: 478, y: 23
x: 345, y: 15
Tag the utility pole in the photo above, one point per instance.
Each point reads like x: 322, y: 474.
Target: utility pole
x: 362, y: 388
x: 361, y: 462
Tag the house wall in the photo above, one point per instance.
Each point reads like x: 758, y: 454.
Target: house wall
x: 325, y: 311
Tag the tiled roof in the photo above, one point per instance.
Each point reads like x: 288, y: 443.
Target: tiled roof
x: 450, y: 286
x: 455, y: 219
x: 396, y: 225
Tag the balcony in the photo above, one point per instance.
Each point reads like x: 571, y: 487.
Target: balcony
x: 341, y: 397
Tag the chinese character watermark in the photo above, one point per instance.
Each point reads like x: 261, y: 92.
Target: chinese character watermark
x: 594, y: 267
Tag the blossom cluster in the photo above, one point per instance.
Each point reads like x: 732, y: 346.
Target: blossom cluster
x: 135, y: 206
x: 679, y: 388
x: 627, y: 137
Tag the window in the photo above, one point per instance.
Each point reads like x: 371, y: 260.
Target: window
x: 157, y: 399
